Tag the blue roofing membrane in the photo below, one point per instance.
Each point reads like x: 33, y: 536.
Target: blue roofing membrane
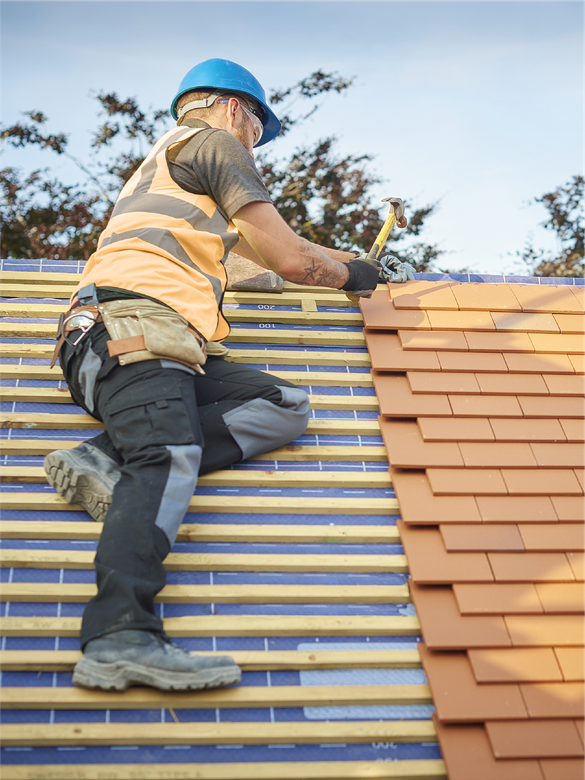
x: 225, y: 753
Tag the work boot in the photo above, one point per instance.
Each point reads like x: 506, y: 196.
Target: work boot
x: 115, y: 661
x: 84, y: 475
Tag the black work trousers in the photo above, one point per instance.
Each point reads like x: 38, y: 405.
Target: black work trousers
x: 165, y: 424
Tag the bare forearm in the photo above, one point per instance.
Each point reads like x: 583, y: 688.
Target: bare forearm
x: 317, y: 269
x: 268, y: 239
x: 336, y: 254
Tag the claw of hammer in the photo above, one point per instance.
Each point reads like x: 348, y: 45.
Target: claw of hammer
x: 397, y: 205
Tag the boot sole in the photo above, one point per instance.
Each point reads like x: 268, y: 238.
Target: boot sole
x: 120, y: 675
x: 75, y: 487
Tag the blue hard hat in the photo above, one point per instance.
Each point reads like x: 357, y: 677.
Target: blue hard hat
x: 227, y: 75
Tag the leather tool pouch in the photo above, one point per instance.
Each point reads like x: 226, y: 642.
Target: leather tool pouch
x: 140, y: 330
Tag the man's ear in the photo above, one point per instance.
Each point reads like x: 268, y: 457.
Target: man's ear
x: 231, y: 108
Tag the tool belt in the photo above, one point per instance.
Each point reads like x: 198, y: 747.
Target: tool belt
x: 139, y: 329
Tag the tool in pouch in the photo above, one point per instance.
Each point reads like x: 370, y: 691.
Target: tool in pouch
x: 139, y: 329
x: 395, y: 217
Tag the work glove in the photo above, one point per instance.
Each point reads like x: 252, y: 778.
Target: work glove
x: 393, y: 270
x: 363, y: 279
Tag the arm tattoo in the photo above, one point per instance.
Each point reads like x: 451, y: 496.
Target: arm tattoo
x: 321, y: 271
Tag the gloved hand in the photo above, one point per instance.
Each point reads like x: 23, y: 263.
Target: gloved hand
x: 363, y: 279
x: 392, y: 270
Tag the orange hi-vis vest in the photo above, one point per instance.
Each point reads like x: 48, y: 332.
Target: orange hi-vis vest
x: 167, y: 243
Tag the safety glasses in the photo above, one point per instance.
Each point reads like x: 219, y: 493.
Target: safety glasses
x: 256, y: 123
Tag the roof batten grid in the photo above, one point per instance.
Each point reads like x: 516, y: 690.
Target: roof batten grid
x: 322, y: 570
x: 491, y: 499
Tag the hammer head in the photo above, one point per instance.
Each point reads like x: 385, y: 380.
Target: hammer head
x: 397, y: 205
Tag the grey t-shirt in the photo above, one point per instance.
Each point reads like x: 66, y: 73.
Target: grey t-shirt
x: 215, y: 163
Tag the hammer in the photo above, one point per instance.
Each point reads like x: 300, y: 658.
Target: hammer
x: 395, y: 216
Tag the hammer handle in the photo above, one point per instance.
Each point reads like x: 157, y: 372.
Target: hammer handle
x: 382, y: 236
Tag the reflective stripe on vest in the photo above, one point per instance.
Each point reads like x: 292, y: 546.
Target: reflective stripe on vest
x: 167, y: 243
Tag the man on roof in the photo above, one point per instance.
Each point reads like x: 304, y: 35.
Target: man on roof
x: 143, y: 321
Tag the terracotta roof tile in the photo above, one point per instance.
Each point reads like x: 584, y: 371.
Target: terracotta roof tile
x: 571, y: 661
x: 560, y: 536
x: 407, y: 449
x: 563, y: 343
x: 430, y: 563
x: 443, y: 340
x: 497, y: 599
x: 423, y: 295
x: 562, y: 768
x: 545, y: 630
x: 580, y: 474
x: 470, y: 538
x: 479, y: 482
x: 577, y: 564
x: 444, y: 628
x: 574, y: 429
x: 442, y: 382
x: 530, y: 664
x: 512, y: 384
x: 462, y: 320
x: 517, y: 509
x: 579, y: 293
x: 473, y: 361
x: 570, y: 323
x: 528, y: 430
x: 379, y: 312
x: 387, y: 354
x: 419, y: 505
x: 527, y: 363
x: 534, y: 482
x: 451, y: 429
x: 494, y: 454
x: 578, y: 363
x: 549, y: 406
x: 525, y: 739
x: 485, y: 405
x: 561, y: 597
x: 527, y: 323
x: 531, y: 567
x: 459, y: 698
x: 397, y: 399
x: 561, y: 384
x: 468, y: 746
x: 569, y: 508
x: 558, y: 455
x: 547, y: 298
x: 490, y: 297
x: 499, y: 342
x: 554, y: 700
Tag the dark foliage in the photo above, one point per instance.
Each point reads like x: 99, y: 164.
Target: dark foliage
x: 324, y: 197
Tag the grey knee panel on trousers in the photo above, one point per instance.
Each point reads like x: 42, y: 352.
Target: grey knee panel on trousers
x: 185, y: 461
x: 260, y: 425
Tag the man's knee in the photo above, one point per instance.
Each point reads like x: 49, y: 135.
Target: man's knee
x: 296, y: 404
x: 261, y: 425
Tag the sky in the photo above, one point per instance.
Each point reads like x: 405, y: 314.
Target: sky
x: 477, y: 106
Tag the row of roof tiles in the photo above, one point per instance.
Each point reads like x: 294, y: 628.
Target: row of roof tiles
x: 482, y: 417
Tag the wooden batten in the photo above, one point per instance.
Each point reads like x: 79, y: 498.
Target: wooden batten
x: 425, y: 769
x: 322, y: 343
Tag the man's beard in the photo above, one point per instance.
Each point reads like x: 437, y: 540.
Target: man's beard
x: 242, y: 136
